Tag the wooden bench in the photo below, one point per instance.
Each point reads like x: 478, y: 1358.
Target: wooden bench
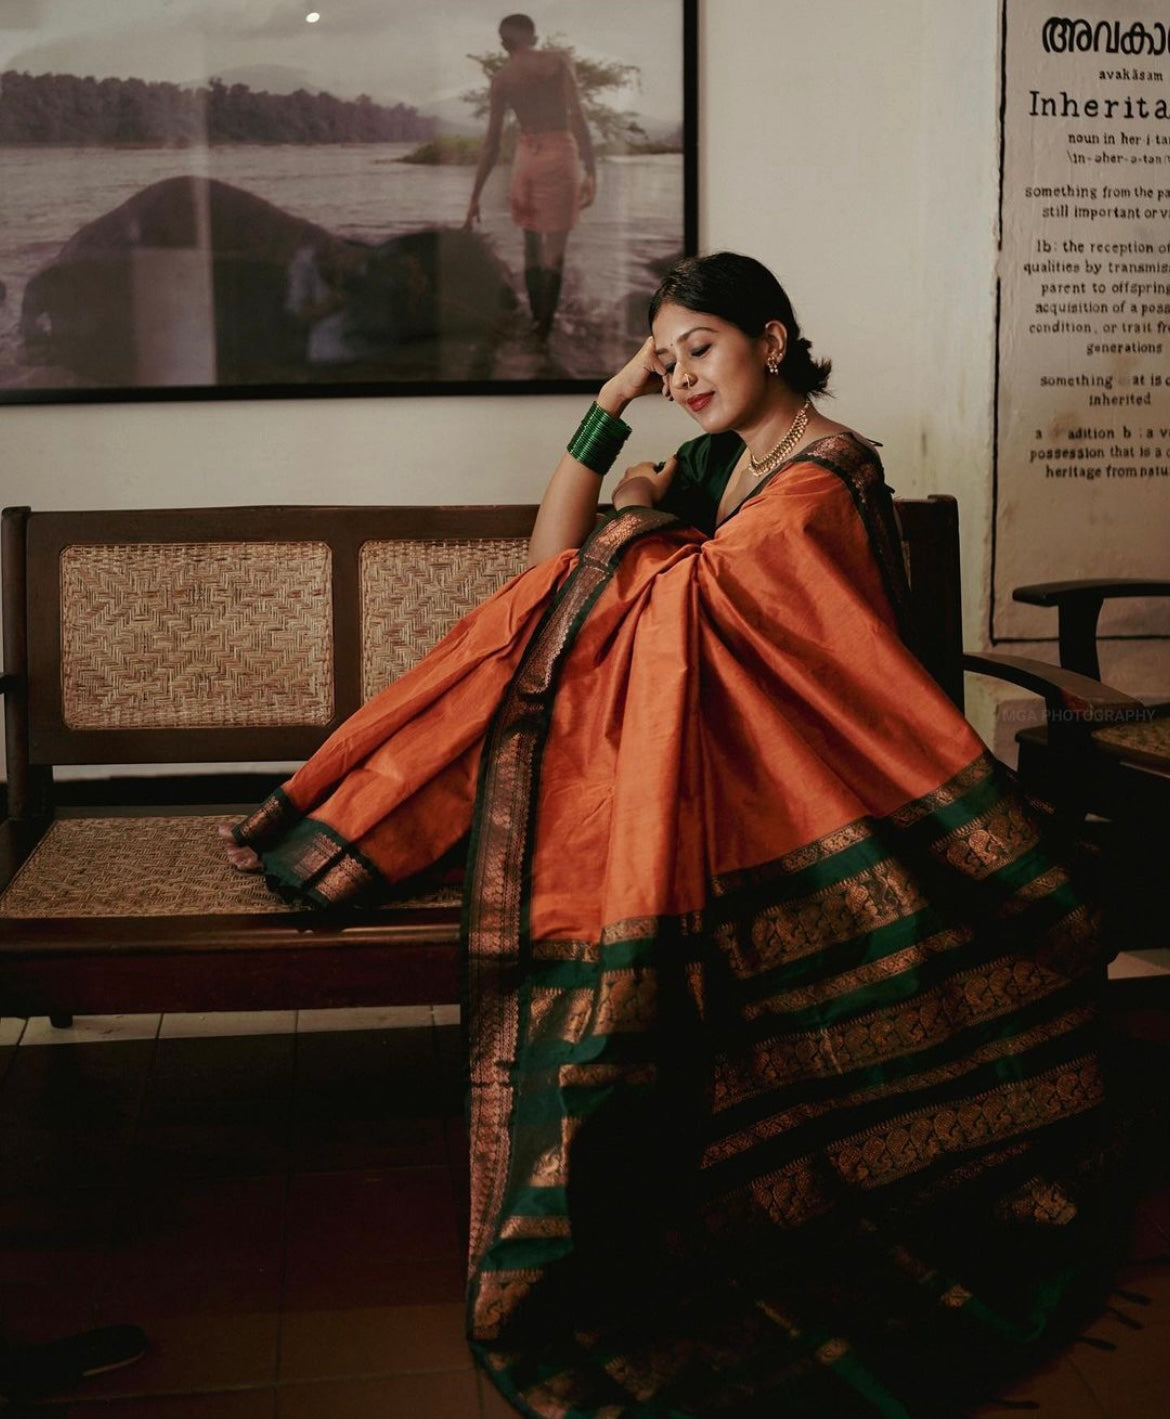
x: 210, y: 637
x: 233, y: 636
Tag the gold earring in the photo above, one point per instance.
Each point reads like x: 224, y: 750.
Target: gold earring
x: 772, y: 363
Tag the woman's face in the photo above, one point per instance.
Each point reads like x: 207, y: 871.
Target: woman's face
x: 716, y: 372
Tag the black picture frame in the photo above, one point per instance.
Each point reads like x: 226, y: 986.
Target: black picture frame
x: 139, y: 261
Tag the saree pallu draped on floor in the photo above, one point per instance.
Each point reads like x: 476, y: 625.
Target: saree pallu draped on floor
x: 784, y: 1087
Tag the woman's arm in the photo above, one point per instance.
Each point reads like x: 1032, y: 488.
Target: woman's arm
x: 580, y: 130
x: 644, y: 484
x: 490, y: 152
x: 568, y: 509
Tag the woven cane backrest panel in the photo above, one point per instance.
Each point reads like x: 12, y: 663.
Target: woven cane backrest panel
x: 139, y: 867
x: 414, y: 591
x: 196, y: 635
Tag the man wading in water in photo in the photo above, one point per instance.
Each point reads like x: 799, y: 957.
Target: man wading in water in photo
x: 549, y: 188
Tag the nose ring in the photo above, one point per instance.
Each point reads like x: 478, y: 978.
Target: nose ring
x: 687, y: 380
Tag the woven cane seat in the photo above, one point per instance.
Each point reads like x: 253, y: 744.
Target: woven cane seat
x: 1144, y: 742
x: 413, y: 592
x: 196, y: 635
x: 144, y: 866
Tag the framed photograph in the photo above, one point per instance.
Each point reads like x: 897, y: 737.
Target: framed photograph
x: 225, y: 198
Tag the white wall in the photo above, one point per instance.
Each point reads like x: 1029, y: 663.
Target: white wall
x: 814, y: 156
x: 851, y: 145
x: 879, y: 124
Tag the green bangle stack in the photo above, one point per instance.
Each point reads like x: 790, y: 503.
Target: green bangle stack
x: 598, y: 440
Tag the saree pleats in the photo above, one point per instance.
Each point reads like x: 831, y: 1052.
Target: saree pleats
x: 392, y: 790
x: 783, y: 1039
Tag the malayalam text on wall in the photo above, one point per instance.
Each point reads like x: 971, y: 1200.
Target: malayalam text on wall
x: 1083, y: 416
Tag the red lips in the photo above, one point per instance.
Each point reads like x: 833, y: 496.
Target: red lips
x: 700, y: 401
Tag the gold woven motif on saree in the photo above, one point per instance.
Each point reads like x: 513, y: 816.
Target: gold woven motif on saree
x: 196, y: 635
x: 165, y: 866
x: 413, y: 592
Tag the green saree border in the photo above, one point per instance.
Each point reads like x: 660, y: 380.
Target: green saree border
x: 316, y: 865
x: 310, y: 864
x: 948, y: 1116
x: 267, y: 820
x: 494, y: 924
x: 862, y: 474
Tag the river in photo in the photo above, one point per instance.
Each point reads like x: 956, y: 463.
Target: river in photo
x: 364, y: 192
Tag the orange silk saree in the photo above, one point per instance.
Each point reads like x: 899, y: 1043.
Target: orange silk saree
x: 784, y: 1088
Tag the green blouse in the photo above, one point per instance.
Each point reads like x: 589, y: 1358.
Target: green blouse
x: 704, y: 468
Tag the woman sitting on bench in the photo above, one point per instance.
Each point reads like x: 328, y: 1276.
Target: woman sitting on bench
x: 784, y: 1088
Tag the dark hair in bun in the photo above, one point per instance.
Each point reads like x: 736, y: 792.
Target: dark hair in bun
x: 742, y: 291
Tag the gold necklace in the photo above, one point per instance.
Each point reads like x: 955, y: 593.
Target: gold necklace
x: 773, y: 460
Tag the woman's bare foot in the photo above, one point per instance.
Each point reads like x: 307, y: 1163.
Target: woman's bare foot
x: 243, y: 859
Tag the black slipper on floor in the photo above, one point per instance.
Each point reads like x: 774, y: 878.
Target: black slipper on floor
x: 58, y: 1365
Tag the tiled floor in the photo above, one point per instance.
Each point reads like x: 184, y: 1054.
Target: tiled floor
x: 280, y: 1202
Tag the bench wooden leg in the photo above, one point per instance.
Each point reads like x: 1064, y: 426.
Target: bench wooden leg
x: 61, y: 1022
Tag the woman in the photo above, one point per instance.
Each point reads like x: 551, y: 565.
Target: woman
x: 784, y: 1092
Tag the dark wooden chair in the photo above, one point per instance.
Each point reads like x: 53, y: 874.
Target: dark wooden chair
x: 930, y: 545
x: 1115, y: 764
x: 1108, y: 772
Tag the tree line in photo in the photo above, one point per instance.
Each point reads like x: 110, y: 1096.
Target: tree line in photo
x: 66, y: 109
x: 615, y: 130
x: 74, y: 111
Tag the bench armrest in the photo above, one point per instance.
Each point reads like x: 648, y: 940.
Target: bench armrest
x: 1057, y: 593
x: 1078, y: 605
x: 1074, y: 705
